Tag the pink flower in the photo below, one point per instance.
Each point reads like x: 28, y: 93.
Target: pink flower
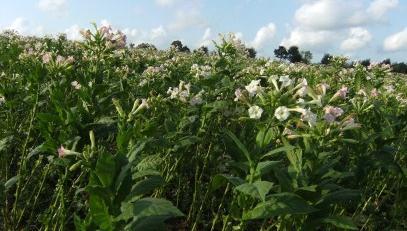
x: 331, y: 113
x: 342, y: 92
x: 60, y: 59
x: 61, y: 152
x: 374, y: 93
x: 46, y: 58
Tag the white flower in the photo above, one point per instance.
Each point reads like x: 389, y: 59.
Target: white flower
x: 2, y: 100
x: 389, y: 88
x: 254, y: 87
x: 301, y: 101
x: 238, y: 94
x: 308, y: 116
x: 282, y: 113
x: 322, y: 87
x: 255, y: 112
x: 197, y: 99
x: 302, y: 91
x: 192, y: 118
x: 285, y: 81
x: 76, y: 85
x: 173, y: 92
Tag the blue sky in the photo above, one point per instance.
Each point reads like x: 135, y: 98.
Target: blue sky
x: 356, y: 28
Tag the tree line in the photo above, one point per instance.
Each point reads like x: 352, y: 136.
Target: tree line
x: 292, y: 54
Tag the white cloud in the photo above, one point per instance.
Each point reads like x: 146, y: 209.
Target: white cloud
x: 158, y: 32
x: 165, y: 2
x: 24, y: 27
x: 396, y: 42
x: 54, y: 6
x: 379, y: 8
x: 21, y: 25
x: 357, y: 39
x: 318, y: 40
x: 337, y: 14
x: 323, y: 24
x: 264, y: 35
x: 189, y: 18
x: 73, y: 32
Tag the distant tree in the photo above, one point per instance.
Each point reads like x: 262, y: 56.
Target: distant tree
x: 202, y: 49
x: 146, y: 46
x: 326, y: 59
x: 294, y: 55
x: 399, y: 68
x: 177, y: 45
x: 306, y: 57
x: 365, y: 62
x: 386, y: 62
x: 251, y: 52
x: 281, y: 52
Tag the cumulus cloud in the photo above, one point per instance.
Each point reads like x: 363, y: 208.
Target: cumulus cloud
x: 24, y: 27
x: 318, y: 40
x: 337, y: 14
x: 73, y: 32
x: 396, y: 42
x: 185, y: 19
x: 264, y: 35
x: 158, y: 32
x: 53, y: 6
x: 358, y: 38
x: 321, y: 24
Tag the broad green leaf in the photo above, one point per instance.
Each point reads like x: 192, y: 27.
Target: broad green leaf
x: 10, y: 182
x: 258, y: 189
x: 239, y: 144
x: 265, y: 167
x: 4, y: 142
x: 342, y: 222
x: 146, y: 186
x: 278, y: 150
x: 105, y: 169
x: 150, y: 213
x: 342, y: 195
x: 220, y: 179
x: 279, y: 205
x: 295, y: 158
x: 264, y: 137
x: 100, y: 213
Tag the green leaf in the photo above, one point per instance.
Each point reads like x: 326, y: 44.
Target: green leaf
x: 342, y: 222
x: 258, y: 189
x: 146, y: 186
x: 265, y: 167
x: 279, y: 205
x: 264, y: 137
x: 295, y: 158
x: 100, y: 213
x: 4, y: 142
x: 12, y: 181
x: 105, y: 169
x: 239, y: 145
x: 278, y: 150
x: 342, y: 195
x: 221, y: 179
x: 150, y: 213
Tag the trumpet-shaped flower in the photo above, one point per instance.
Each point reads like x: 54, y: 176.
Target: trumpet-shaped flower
x: 255, y: 112
x: 254, y: 88
x: 76, y: 85
x: 285, y: 81
x: 282, y: 113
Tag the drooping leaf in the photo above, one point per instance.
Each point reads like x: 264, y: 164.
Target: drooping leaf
x: 278, y: 150
x: 279, y: 205
x: 342, y: 222
x: 240, y: 145
x: 220, y: 180
x: 258, y: 189
x: 265, y: 167
x: 105, y: 169
x: 10, y: 182
x: 100, y: 213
